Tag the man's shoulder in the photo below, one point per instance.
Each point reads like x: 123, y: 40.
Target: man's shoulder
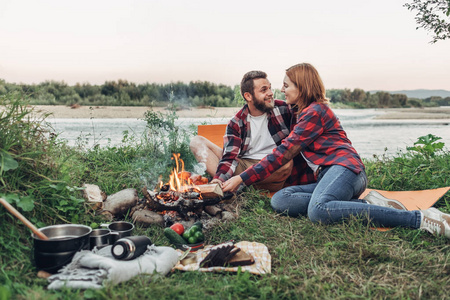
x: 240, y: 115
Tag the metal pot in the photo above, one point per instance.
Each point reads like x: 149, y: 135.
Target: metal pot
x: 64, y: 241
x: 119, y: 229
x: 52, y: 262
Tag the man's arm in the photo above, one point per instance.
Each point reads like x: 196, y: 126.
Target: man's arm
x: 231, y: 149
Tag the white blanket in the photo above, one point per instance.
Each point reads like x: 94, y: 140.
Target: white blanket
x: 94, y: 269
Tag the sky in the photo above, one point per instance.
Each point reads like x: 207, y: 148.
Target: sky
x: 372, y: 44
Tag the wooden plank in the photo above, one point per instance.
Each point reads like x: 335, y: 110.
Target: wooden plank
x: 214, y: 133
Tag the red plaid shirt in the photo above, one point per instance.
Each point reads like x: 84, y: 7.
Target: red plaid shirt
x: 237, y: 136
x: 318, y: 134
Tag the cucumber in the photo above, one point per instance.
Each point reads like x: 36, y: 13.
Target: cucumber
x: 174, y: 237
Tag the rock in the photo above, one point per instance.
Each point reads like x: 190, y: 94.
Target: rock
x: 212, y: 210
x: 147, y: 217
x: 94, y: 195
x: 120, y: 202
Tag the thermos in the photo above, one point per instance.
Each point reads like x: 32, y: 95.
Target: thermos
x: 130, y: 247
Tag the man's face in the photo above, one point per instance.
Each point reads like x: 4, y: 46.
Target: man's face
x: 262, y: 97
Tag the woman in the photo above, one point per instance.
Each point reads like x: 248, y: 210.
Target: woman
x: 341, y: 178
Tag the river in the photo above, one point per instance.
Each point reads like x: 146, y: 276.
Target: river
x: 370, y: 136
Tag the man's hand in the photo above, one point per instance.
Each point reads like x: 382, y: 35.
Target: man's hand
x: 232, y: 184
x: 217, y: 181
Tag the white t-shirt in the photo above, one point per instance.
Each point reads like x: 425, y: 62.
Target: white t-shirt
x: 312, y: 165
x: 261, y: 141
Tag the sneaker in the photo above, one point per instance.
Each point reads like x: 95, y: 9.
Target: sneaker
x: 435, y: 221
x: 376, y: 198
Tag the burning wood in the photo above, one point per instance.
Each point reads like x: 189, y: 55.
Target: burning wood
x: 181, y: 202
x: 187, y: 197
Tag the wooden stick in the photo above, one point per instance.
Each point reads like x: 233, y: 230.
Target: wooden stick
x: 24, y: 220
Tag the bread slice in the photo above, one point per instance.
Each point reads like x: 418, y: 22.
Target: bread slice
x: 241, y: 259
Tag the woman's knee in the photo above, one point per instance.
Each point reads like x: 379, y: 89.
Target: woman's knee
x: 280, y: 204
x: 316, y: 214
x: 277, y: 202
x: 289, y: 204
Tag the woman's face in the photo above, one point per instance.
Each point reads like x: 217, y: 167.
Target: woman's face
x: 291, y: 92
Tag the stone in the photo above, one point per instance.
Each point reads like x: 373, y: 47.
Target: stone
x: 212, y: 210
x: 119, y: 203
x: 147, y: 217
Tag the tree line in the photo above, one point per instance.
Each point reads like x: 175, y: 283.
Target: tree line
x: 359, y: 98
x: 124, y: 93
x: 192, y: 94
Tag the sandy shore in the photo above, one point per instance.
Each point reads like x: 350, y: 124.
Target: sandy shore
x: 136, y: 112
x: 433, y: 113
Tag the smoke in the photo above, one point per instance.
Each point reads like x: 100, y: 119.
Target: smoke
x: 200, y: 168
x: 201, y: 153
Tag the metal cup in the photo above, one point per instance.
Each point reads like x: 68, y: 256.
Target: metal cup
x: 119, y: 230
x: 100, y: 238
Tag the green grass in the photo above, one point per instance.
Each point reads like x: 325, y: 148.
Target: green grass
x: 340, y: 261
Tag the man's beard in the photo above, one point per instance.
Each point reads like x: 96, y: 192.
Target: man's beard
x: 261, y: 105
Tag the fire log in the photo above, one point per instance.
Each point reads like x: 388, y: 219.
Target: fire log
x: 211, y: 190
x: 181, y: 205
x: 180, y: 202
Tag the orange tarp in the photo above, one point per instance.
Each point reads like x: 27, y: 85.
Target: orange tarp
x: 412, y: 200
x: 214, y: 133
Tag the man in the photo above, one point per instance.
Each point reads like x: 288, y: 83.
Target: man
x: 251, y: 134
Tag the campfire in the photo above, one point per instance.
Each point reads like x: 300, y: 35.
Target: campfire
x: 185, y: 198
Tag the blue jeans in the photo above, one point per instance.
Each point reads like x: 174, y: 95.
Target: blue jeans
x: 334, y: 197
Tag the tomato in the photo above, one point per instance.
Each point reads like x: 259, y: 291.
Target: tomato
x: 178, y: 228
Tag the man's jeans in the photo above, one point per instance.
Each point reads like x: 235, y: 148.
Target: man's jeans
x: 334, y: 197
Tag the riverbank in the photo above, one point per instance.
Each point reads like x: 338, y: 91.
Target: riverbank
x: 136, y: 112
x: 435, y: 113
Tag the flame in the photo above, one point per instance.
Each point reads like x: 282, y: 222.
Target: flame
x: 176, y: 182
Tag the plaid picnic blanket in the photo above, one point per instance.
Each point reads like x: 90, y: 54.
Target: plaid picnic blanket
x: 259, y: 252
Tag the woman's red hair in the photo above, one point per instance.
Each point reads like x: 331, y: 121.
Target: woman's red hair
x: 310, y: 85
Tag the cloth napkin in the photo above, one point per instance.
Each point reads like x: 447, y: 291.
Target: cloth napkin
x: 94, y: 269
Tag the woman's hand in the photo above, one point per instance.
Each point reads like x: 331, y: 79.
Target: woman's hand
x: 232, y: 184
